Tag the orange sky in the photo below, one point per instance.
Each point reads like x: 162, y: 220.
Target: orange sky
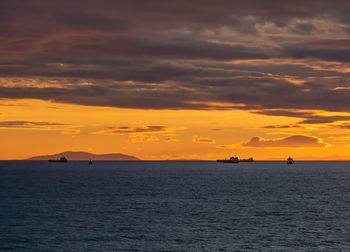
x: 40, y: 127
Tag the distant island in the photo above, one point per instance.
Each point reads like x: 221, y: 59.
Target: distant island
x: 78, y: 155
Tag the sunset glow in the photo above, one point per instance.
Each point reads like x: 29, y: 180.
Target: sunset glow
x: 176, y: 80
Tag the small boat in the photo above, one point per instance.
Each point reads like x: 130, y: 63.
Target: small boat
x: 61, y: 160
x: 90, y: 162
x: 234, y: 160
x: 290, y: 161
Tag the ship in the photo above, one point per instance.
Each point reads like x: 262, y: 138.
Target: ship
x: 290, y: 161
x: 247, y: 160
x: 61, y: 160
x: 234, y: 160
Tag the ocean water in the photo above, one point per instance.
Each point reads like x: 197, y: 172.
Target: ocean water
x: 174, y: 206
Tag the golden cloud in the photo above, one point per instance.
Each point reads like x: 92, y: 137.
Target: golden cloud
x: 203, y: 140
x: 227, y: 146
x: 143, y: 139
x: 170, y: 139
x: 28, y: 125
x: 70, y: 132
x: 137, y: 129
x: 297, y: 141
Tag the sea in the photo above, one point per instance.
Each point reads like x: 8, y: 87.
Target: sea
x: 174, y: 206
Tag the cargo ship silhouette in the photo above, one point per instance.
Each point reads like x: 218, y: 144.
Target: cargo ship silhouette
x: 61, y: 160
x: 234, y: 160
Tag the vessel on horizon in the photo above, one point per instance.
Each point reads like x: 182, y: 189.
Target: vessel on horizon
x: 61, y: 160
x: 234, y: 160
x: 290, y: 161
x: 247, y: 160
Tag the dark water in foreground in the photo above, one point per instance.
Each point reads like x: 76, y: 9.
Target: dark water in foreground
x: 174, y: 206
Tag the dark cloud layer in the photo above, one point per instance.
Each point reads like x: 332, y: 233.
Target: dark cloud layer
x: 308, y: 117
x: 133, y: 130
x: 27, y: 124
x: 139, y: 129
x: 178, y: 54
x: 292, y: 142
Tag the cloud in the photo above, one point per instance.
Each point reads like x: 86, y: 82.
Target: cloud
x: 27, y: 124
x: 144, y: 139
x: 227, y: 146
x: 71, y: 132
x: 281, y: 126
x: 297, y: 141
x: 203, y: 140
x: 304, y: 28
x: 171, y: 140
x: 328, y: 54
x: 339, y: 43
x: 178, y: 54
x: 308, y: 118
x: 133, y: 130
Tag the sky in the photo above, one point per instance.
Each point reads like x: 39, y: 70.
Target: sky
x: 176, y: 79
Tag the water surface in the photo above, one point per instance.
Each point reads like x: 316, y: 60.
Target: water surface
x: 174, y: 206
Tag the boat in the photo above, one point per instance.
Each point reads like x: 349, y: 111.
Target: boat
x: 234, y: 160
x: 90, y: 162
x: 247, y: 160
x: 290, y: 161
x: 61, y: 160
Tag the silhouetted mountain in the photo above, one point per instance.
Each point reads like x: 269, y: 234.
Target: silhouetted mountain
x: 74, y: 155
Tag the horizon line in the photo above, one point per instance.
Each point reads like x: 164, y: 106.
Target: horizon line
x: 188, y: 160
